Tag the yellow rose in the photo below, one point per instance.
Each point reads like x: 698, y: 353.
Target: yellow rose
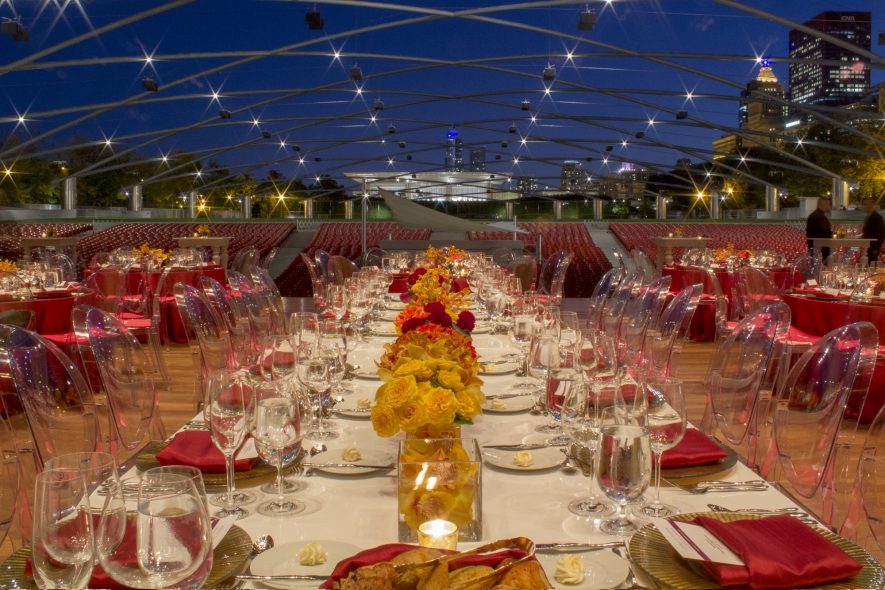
x: 450, y: 380
x: 411, y: 415
x: 467, y: 404
x: 413, y: 367
x: 384, y: 421
x: 397, y: 392
x: 424, y: 387
x: 441, y: 406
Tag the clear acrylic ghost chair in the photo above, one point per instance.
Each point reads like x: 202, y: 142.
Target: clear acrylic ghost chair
x: 126, y: 379
x: 108, y: 286
x: 643, y: 263
x: 711, y: 294
x: 247, y: 259
x: 836, y: 257
x: 804, y: 269
x: 322, y: 259
x: 237, y: 261
x: 340, y: 268
x: 613, y: 306
x: 65, y: 264
x: 756, y: 289
x: 274, y: 301
x: 554, y: 268
x: 143, y: 319
x: 868, y: 499
x: 18, y: 302
x: 502, y: 256
x: 211, y: 330
x: 253, y: 306
x: 316, y: 273
x: 641, y: 314
x: 237, y: 324
x: 10, y: 480
x: 814, y: 423
x: 619, y: 258
x: 604, y: 289
x: 664, y: 343
x: 268, y: 260
x: 525, y: 268
x: 743, y: 379
x: 372, y: 257
x: 193, y: 344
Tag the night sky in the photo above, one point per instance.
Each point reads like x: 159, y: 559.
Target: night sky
x: 422, y: 99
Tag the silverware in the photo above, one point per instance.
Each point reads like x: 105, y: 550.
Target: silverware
x: 345, y: 466
x: 752, y: 482
x: 577, y: 461
x: 509, y: 395
x: 260, y: 578
x: 337, y: 411
x: 718, y: 488
x: 570, y: 547
x: 525, y: 446
x: 717, y: 508
x: 568, y: 466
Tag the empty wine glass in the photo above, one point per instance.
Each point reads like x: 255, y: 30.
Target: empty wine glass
x: 99, y: 469
x: 62, y: 552
x: 544, y: 358
x: 666, y: 427
x: 522, y: 330
x: 277, y: 427
x: 316, y: 377
x: 623, y: 470
x: 336, y: 300
x: 228, y: 413
x: 304, y: 328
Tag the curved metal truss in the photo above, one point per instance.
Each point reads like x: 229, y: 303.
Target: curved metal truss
x: 566, y: 118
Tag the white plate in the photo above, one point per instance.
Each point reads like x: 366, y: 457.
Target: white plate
x: 546, y: 458
x: 283, y: 561
x: 514, y: 405
x: 602, y: 569
x: 500, y: 369
x: 367, y: 373
x: 389, y: 315
x: 396, y: 305
x: 370, y: 457
x: 348, y: 408
x: 386, y: 329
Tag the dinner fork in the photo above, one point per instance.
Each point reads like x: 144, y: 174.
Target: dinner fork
x: 719, y: 488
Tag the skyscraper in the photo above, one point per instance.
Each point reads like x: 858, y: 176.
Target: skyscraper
x: 757, y: 110
x: 478, y: 159
x: 830, y: 85
x: 573, y: 176
x: 454, y: 160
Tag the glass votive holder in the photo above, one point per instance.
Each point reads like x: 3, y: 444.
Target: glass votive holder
x: 438, y: 534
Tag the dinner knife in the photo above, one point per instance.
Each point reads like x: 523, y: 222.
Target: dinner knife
x: 345, y: 466
x: 522, y: 446
x: 260, y: 578
x: 569, y: 547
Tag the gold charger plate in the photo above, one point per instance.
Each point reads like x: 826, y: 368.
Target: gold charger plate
x: 703, y: 470
x: 657, y: 558
x: 147, y: 459
x: 228, y: 559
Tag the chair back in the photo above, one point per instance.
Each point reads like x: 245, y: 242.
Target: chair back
x: 711, y: 293
x: 108, y: 286
x: 10, y: 480
x: 613, y: 307
x: 743, y: 376
x: 604, y: 289
x: 373, y: 257
x: 57, y: 402
x: 237, y: 323
x: 126, y: 376
x: 815, y: 419
x: 643, y: 263
x: 868, y: 499
x: 268, y: 260
x: 322, y: 259
x: 641, y: 313
x: 837, y: 256
x: 246, y: 259
x: 268, y: 289
x: 553, y: 269
x: 525, y: 268
x: 619, y: 259
x: 805, y: 267
x: 65, y: 264
x: 315, y: 273
x: 756, y: 290
x: 340, y: 268
x: 664, y: 344
x: 502, y: 256
x: 210, y: 329
x: 255, y: 306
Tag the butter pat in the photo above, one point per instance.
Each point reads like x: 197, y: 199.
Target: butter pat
x: 363, y: 403
x: 313, y: 554
x: 498, y: 405
x: 523, y: 459
x: 490, y: 367
x: 351, y: 454
x: 569, y: 570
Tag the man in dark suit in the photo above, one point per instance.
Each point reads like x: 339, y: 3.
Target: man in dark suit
x: 873, y: 227
x: 818, y: 225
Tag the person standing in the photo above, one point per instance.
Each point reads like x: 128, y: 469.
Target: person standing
x: 873, y: 228
x: 818, y: 226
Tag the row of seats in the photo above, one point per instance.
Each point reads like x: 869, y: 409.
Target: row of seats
x: 12, y: 233
x: 787, y: 240
x: 589, y: 264
x: 263, y: 236
x: 341, y: 239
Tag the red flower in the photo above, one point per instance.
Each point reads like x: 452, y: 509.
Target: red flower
x: 466, y: 321
x: 413, y: 278
x: 411, y: 324
x: 441, y: 318
x: 434, y: 306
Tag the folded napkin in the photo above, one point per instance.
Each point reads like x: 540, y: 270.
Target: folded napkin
x: 778, y: 552
x: 388, y: 552
x: 695, y: 448
x: 195, y: 448
x: 460, y: 285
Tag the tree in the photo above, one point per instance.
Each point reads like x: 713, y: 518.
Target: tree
x: 29, y: 180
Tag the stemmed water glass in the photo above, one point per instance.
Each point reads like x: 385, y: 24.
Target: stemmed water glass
x: 544, y: 358
x: 315, y: 375
x: 336, y: 300
x: 277, y: 359
x: 277, y: 427
x: 522, y: 330
x: 333, y: 348
x: 666, y: 426
x: 62, y: 551
x: 623, y: 469
x: 228, y: 409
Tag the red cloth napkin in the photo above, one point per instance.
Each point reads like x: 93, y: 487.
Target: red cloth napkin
x: 388, y: 552
x: 460, y: 285
x: 196, y: 449
x: 779, y: 552
x: 695, y: 448
x: 398, y: 286
x: 281, y: 356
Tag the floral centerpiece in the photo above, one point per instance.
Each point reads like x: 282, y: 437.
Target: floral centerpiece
x: 203, y: 230
x: 49, y: 232
x: 146, y: 252
x: 428, y: 285
x: 841, y: 232
x: 678, y: 232
x: 8, y: 266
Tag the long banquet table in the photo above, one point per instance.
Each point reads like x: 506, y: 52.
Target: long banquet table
x: 362, y: 509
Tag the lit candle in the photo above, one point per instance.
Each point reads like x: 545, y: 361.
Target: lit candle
x: 670, y: 235
x: 438, y: 534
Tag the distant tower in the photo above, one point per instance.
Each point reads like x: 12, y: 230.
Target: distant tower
x: 454, y: 159
x: 478, y: 159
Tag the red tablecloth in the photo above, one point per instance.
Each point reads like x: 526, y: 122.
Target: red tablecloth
x: 818, y: 317
x: 52, y: 315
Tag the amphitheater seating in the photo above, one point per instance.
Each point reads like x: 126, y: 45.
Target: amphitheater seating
x: 745, y: 236
x: 340, y: 239
x: 11, y: 234
x: 263, y: 236
x: 590, y: 262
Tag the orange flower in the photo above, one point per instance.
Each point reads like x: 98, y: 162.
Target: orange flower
x: 412, y: 311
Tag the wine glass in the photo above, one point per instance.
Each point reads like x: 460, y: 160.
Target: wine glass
x: 304, y: 328
x: 666, y: 427
x: 62, y: 551
x: 568, y: 327
x: 228, y: 411
x: 269, y: 390
x: 99, y: 469
x: 543, y: 359
x: 317, y: 378
x: 580, y: 422
x: 277, y: 427
x: 336, y: 300
x: 623, y: 470
x: 319, y: 287
x: 522, y: 330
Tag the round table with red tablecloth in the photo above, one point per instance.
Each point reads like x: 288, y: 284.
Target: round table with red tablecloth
x: 818, y: 316
x: 52, y: 310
